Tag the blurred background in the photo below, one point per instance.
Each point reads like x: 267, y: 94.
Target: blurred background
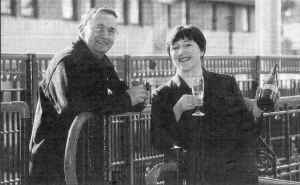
x: 232, y: 27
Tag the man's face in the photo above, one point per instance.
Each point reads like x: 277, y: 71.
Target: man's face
x: 99, y: 34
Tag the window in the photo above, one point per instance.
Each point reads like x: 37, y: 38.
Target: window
x: 86, y: 6
x: 6, y: 7
x: 176, y: 14
x: 129, y: 11
x: 251, y: 18
x: 28, y: 8
x: 241, y: 19
x: 119, y: 7
x: 223, y: 17
x: 201, y: 15
x: 70, y: 9
x: 67, y: 9
x: 133, y: 12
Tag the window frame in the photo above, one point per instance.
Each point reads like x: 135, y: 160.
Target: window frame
x: 34, y: 7
x: 127, y: 13
x: 248, y: 19
x: 75, y: 11
x: 12, y: 8
x: 16, y: 9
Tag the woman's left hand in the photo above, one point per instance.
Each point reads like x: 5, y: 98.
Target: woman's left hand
x: 256, y: 111
x: 252, y: 107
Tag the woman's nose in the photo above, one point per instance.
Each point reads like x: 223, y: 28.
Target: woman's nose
x: 181, y: 51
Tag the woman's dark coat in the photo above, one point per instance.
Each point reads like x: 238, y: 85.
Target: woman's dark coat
x: 220, y: 146
x: 74, y: 82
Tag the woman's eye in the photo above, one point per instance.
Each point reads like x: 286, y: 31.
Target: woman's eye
x: 187, y: 45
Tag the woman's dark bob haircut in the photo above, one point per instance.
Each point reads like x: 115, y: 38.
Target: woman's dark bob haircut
x: 189, y: 32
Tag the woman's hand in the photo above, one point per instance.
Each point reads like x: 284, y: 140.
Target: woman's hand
x: 256, y: 111
x: 186, y: 102
x: 252, y: 107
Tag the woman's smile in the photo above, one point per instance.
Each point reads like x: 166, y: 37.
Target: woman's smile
x: 184, y: 59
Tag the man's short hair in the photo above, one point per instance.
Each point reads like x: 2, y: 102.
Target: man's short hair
x: 91, y: 14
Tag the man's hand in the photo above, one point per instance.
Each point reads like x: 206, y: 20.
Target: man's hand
x: 138, y: 94
x: 186, y: 102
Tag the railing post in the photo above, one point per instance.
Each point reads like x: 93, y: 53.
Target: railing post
x: 287, y: 147
x: 106, y: 150
x: 293, y: 87
x: 31, y: 82
x: 131, y: 149
x: 268, y: 129
x: 256, y: 82
x: 127, y: 69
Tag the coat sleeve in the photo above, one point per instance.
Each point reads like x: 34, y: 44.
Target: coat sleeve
x: 163, y: 124
x: 248, y: 129
x: 69, y: 100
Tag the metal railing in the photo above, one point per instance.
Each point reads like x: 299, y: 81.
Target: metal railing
x: 282, y: 133
x: 14, y: 140
x: 128, y: 152
x: 21, y: 73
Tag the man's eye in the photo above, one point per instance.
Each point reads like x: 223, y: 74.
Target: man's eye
x: 111, y: 30
x: 100, y: 28
x: 175, y: 47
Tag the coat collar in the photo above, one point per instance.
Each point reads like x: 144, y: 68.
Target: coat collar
x: 181, y: 83
x: 82, y: 53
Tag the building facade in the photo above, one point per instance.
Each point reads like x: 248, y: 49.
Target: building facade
x: 291, y: 27
x: 47, y: 26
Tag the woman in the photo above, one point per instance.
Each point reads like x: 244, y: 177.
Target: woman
x: 220, y: 145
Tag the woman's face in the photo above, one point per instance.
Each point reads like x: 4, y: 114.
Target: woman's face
x: 186, y: 55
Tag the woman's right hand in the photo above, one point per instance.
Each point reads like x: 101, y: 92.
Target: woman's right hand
x: 186, y: 102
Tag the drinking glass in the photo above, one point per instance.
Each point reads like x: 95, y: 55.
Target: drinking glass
x: 267, y: 97
x: 198, y: 91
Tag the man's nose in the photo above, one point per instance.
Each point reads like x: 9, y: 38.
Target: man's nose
x: 102, y: 32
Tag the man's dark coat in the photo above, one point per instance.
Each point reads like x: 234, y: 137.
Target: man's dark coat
x: 221, y: 145
x: 75, y: 82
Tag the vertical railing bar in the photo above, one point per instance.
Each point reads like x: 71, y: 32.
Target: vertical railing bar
x: 131, y: 149
x: 268, y: 136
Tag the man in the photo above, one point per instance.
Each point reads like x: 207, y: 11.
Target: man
x: 77, y: 80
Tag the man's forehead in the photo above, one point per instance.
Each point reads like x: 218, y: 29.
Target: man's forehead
x: 104, y: 19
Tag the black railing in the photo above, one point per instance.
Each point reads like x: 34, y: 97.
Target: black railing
x: 128, y: 152
x: 14, y: 141
x: 128, y: 148
x: 20, y: 73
